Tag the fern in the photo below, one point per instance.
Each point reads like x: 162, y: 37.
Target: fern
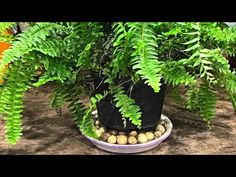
x: 200, y: 57
x: 53, y: 47
x: 71, y: 95
x: 230, y: 83
x: 207, y: 101
x: 56, y: 99
x: 191, y: 98
x: 123, y: 50
x: 57, y: 69
x: 233, y: 101
x: 202, y: 99
x: 127, y: 107
x: 190, y: 54
x: 87, y: 124
x: 26, y: 41
x: 124, y: 103
x: 48, y: 42
x: 19, y: 79
x: 4, y: 29
x: 173, y: 69
x: 81, y: 116
x: 176, y: 95
x: 6, y: 25
x: 145, y: 59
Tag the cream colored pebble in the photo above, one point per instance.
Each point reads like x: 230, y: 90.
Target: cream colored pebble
x: 95, y: 112
x: 105, y: 136
x: 99, y: 133
x: 150, y: 135
x: 157, y: 134
x: 112, y: 139
x: 162, y: 122
x: 132, y: 140
x: 142, y: 138
x: 133, y: 133
x: 122, y: 133
x: 114, y: 132
x: 160, y: 128
x: 97, y: 122
x: 102, y: 129
x: 122, y: 139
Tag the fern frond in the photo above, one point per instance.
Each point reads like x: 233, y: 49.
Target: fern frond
x: 81, y: 116
x: 19, y: 79
x: 56, y: 99
x: 202, y: 99
x: 176, y: 95
x: 87, y: 125
x: 233, y: 101
x: 56, y: 69
x: 127, y: 106
x: 123, y: 49
x: 53, y: 47
x: 71, y: 95
x: 83, y: 44
x: 199, y: 56
x: 84, y: 56
x: 26, y: 41
x: 6, y: 25
x: 174, y: 73
x: 191, y: 98
x: 206, y: 103
x: 226, y: 77
x: 5, y: 31
x: 206, y: 66
x: 230, y: 83
x: 145, y: 60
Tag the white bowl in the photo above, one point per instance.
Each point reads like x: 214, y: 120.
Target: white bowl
x: 134, y: 148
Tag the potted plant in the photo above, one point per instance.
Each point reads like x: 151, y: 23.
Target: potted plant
x: 123, y: 68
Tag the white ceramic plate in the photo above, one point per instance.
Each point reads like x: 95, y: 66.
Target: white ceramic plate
x: 134, y: 148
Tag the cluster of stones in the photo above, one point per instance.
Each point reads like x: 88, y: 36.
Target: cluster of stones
x: 132, y: 137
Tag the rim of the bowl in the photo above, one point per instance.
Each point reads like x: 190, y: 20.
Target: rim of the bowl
x: 153, y: 142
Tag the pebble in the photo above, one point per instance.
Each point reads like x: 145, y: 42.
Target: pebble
x: 102, y: 129
x: 122, y: 139
x: 162, y: 122
x: 94, y: 113
x: 113, y: 132
x: 157, y: 134
x: 112, y: 139
x: 132, y: 140
x: 142, y: 138
x: 99, y: 133
x: 133, y: 133
x: 116, y: 137
x: 122, y: 133
x: 150, y: 135
x: 160, y: 128
x: 105, y: 136
x: 97, y: 122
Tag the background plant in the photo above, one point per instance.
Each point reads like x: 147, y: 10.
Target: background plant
x: 191, y: 54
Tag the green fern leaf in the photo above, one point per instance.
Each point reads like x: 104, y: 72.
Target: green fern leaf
x: 26, y: 41
x: 145, y: 59
x: 127, y: 107
x: 19, y: 79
